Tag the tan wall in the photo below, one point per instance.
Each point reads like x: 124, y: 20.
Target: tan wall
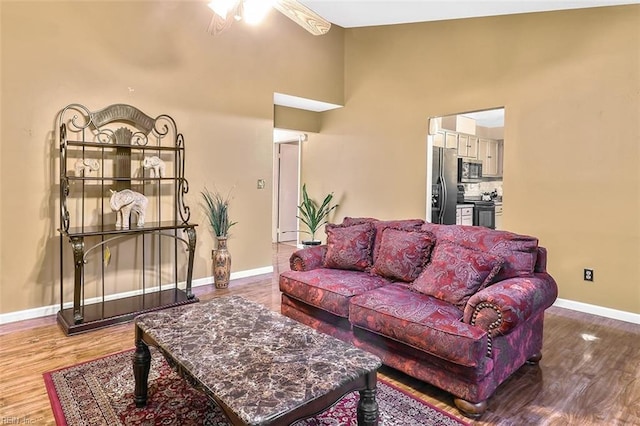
x: 158, y: 57
x: 296, y: 119
x: 569, y: 82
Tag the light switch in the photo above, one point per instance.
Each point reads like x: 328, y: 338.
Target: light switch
x: 260, y: 183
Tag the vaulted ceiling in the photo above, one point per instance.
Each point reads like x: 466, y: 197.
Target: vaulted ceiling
x: 362, y: 13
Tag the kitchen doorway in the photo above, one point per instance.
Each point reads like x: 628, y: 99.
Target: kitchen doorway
x: 476, y: 138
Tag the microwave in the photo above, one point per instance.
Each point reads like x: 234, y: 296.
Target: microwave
x: 469, y: 170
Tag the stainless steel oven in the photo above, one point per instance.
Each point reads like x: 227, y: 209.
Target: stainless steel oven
x: 469, y: 170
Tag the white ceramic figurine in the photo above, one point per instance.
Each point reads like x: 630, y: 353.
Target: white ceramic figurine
x: 124, y: 202
x: 85, y: 166
x: 155, y: 164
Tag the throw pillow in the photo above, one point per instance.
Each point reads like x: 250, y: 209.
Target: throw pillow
x: 455, y: 273
x: 403, y: 254
x: 348, y: 221
x: 381, y: 225
x: 349, y: 247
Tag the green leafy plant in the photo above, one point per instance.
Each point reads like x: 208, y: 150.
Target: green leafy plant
x: 216, y: 208
x: 312, y: 214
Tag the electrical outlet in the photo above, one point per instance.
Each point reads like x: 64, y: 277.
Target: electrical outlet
x: 261, y: 183
x: 588, y: 274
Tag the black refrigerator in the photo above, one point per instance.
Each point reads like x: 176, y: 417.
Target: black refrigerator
x: 444, y: 191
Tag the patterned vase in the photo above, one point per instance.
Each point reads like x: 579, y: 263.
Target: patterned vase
x: 221, y: 263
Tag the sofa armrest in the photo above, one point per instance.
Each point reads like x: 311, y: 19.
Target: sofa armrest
x: 308, y: 258
x: 503, y: 305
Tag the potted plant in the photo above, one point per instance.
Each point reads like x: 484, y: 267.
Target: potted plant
x: 216, y: 207
x: 314, y: 215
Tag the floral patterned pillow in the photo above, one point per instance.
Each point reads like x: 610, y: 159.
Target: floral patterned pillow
x: 456, y: 273
x: 381, y: 225
x: 349, y: 247
x: 403, y: 254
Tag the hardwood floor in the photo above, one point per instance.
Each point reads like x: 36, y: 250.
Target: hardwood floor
x: 588, y: 375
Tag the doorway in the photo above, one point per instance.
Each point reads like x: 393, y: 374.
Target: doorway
x: 286, y: 188
x: 477, y: 138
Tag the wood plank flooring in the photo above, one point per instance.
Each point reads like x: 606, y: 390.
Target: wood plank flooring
x: 589, y: 373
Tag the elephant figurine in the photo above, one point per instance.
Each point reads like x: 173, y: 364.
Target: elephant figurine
x: 84, y: 166
x: 124, y: 202
x: 155, y: 164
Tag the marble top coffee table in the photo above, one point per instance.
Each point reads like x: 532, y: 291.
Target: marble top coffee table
x: 258, y: 366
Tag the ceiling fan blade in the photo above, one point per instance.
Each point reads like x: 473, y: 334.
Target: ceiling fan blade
x: 218, y: 24
x: 303, y: 16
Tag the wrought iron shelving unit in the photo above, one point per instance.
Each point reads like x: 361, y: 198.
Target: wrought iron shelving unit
x: 117, y: 139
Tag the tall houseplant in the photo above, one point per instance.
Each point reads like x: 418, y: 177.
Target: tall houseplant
x: 314, y: 215
x: 216, y: 207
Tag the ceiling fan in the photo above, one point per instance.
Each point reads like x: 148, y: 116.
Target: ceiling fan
x: 225, y: 12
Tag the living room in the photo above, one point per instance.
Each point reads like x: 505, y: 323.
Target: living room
x: 568, y: 81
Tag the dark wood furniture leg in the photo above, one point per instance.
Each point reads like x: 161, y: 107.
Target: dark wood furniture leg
x: 141, y: 366
x: 191, y: 234
x: 367, y: 412
x: 77, y: 244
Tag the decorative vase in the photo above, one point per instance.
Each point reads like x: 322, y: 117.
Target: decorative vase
x: 221, y: 264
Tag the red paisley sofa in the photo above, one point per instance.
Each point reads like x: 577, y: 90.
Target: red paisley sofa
x: 460, y: 307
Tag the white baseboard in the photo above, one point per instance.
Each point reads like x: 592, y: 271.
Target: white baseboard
x: 53, y: 309
x: 234, y: 276
x: 598, y: 310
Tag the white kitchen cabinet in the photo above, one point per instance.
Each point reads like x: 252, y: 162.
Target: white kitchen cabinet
x: 488, y: 153
x: 464, y: 214
x: 472, y: 147
x: 451, y: 140
x: 498, y: 217
x: 463, y: 141
x: 467, y: 146
x: 438, y: 139
x: 459, y: 124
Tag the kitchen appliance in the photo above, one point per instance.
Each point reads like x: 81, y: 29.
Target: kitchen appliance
x: 460, y: 194
x: 484, y: 214
x: 469, y: 170
x: 444, y: 191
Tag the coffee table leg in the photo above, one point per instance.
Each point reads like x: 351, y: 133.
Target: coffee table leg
x: 367, y: 406
x: 141, y: 366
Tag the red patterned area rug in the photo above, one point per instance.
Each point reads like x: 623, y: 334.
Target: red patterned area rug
x: 100, y: 392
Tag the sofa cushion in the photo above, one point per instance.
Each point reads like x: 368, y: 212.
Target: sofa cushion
x: 403, y: 254
x: 518, y: 251
x: 455, y: 273
x: 381, y: 225
x: 349, y: 247
x: 328, y: 289
x: 420, y: 321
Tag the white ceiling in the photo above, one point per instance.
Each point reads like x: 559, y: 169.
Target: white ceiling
x: 363, y: 13
x: 488, y: 118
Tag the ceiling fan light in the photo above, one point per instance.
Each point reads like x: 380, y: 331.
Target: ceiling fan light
x: 254, y: 11
x: 221, y: 7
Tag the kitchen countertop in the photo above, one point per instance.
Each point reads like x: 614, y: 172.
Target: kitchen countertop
x: 496, y: 201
